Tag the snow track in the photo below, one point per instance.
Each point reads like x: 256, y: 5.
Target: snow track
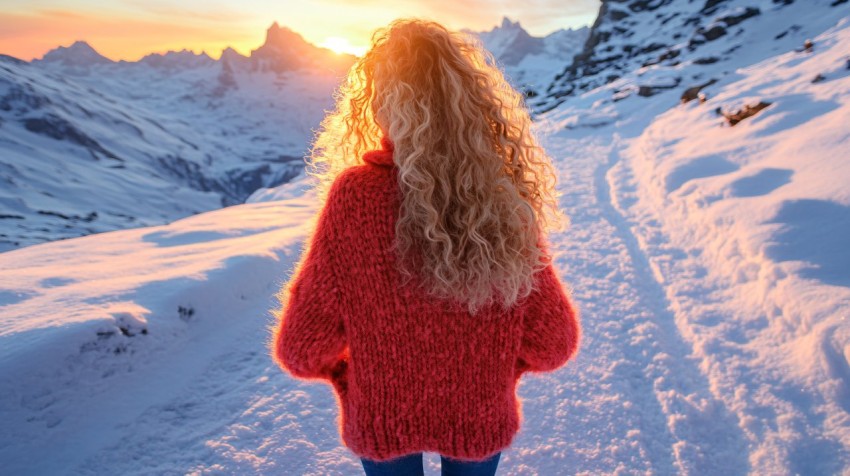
x: 635, y: 370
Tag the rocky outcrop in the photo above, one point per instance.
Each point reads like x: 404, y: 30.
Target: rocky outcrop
x: 632, y: 34
x: 745, y: 112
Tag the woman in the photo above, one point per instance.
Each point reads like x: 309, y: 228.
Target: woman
x: 426, y: 289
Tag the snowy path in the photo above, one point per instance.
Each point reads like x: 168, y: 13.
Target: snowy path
x: 632, y: 402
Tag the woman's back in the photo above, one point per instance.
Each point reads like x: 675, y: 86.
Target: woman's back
x: 412, y: 373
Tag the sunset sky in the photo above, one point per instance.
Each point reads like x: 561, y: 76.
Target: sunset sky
x: 129, y: 29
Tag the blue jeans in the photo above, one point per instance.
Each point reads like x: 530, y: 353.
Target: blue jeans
x: 411, y: 465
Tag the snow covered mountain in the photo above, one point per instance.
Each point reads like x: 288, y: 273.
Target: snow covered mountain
x: 90, y: 145
x: 655, y: 36
x: 79, y: 54
x: 530, y: 62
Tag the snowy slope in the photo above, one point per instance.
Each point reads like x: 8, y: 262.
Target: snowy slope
x: 712, y: 36
x: 530, y: 62
x: 740, y: 232
x: 104, y: 333
x: 90, y: 145
x: 709, y: 262
x: 747, y: 228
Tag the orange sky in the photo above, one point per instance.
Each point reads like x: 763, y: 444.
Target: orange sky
x: 129, y: 29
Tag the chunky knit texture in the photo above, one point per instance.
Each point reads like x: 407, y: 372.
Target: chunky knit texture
x: 411, y: 373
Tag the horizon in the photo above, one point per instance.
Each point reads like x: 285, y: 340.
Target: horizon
x: 341, y: 46
x: 130, y: 30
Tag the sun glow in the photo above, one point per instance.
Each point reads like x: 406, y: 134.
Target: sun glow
x: 342, y: 45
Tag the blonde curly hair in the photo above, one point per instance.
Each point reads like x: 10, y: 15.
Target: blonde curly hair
x: 478, y: 190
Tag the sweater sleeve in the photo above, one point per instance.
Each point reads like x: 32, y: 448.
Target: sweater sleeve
x: 551, y: 325
x: 309, y: 339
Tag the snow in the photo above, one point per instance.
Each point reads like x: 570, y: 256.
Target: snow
x: 93, y: 335
x: 709, y: 262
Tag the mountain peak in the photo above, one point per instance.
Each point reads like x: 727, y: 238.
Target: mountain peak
x: 283, y: 49
x: 510, y: 42
x: 79, y: 53
x: 231, y: 54
x: 182, y: 58
x: 279, y: 36
x: 508, y: 24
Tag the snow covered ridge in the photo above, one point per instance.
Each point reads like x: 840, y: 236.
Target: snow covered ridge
x: 530, y: 62
x: 90, y: 145
x: 671, y: 34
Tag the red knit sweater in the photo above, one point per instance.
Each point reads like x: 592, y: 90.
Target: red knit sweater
x: 411, y: 373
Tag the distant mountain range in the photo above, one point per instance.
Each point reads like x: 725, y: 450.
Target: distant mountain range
x: 88, y: 144
x: 531, y: 62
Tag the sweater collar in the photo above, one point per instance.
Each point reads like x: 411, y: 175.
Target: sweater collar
x: 382, y: 156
